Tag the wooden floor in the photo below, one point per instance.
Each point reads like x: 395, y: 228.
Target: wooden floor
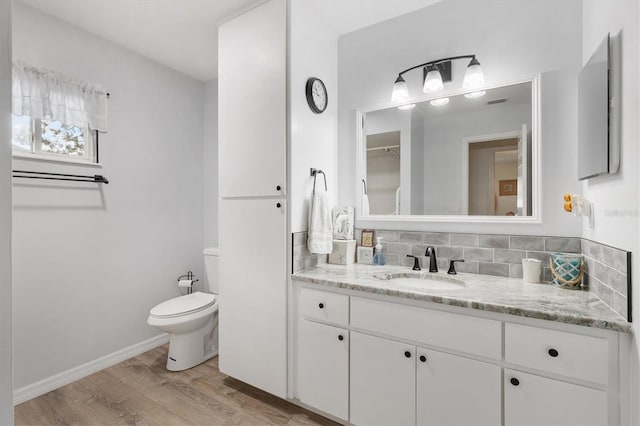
x: 140, y: 391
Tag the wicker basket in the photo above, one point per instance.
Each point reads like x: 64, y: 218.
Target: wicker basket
x: 567, y: 270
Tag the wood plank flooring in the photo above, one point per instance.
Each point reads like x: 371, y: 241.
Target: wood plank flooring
x: 140, y: 391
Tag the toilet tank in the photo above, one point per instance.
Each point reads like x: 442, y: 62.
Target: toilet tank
x: 211, y: 255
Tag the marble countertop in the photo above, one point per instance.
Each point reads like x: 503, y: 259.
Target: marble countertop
x: 483, y: 292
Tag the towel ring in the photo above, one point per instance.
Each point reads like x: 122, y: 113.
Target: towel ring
x: 315, y: 172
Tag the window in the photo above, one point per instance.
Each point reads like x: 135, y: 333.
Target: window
x: 52, y: 139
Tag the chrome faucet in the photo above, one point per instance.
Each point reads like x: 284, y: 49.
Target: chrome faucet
x: 433, y: 262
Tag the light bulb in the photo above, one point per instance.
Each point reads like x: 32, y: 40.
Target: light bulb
x: 406, y: 107
x: 400, y: 91
x: 475, y: 94
x: 433, y: 81
x: 473, y: 77
x: 439, y: 102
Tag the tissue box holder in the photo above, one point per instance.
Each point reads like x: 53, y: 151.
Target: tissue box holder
x: 343, y: 252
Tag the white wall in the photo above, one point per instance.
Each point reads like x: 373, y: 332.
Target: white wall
x: 6, y: 388
x: 210, y: 163
x: 91, y: 260
x: 616, y: 197
x: 313, y: 137
x: 512, y: 40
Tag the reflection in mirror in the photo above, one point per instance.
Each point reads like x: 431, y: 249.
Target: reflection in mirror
x: 467, y: 156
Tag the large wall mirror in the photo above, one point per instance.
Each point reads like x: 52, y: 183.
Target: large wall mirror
x: 466, y: 158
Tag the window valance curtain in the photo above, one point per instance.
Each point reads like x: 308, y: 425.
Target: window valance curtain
x: 48, y: 95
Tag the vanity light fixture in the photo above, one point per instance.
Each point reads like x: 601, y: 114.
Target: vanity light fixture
x: 439, y: 102
x: 473, y: 95
x: 406, y: 107
x: 433, y: 73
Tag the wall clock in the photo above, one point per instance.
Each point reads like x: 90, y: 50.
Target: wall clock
x: 316, y: 95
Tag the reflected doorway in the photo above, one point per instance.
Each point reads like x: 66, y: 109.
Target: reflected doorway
x: 383, y: 172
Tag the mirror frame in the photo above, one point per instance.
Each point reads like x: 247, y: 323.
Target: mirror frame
x: 379, y: 221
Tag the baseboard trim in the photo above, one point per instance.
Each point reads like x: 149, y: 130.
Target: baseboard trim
x: 54, y: 382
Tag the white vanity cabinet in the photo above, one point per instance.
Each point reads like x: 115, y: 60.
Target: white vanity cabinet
x: 418, y: 364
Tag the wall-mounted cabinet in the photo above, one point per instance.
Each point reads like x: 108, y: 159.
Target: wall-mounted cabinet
x: 416, y: 365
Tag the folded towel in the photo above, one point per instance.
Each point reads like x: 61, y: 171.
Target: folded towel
x: 320, y: 240
x: 365, y: 205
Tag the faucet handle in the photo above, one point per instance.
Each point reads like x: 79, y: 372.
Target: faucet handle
x: 416, y: 262
x: 452, y: 266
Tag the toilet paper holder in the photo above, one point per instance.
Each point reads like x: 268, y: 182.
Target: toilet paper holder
x: 187, y: 281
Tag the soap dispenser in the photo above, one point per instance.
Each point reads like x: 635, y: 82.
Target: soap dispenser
x: 378, y: 257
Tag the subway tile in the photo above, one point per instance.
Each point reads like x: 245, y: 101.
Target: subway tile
x: 620, y: 260
x: 542, y: 256
x: 562, y: 245
x: 410, y: 237
x: 597, y: 270
x: 471, y: 253
x: 468, y: 267
x: 298, y: 265
x: 357, y: 235
x: 594, y: 286
x: 419, y: 250
x: 606, y: 295
x: 397, y: 248
x: 443, y: 264
x: 515, y: 271
x: 494, y: 241
x: 385, y: 235
x: 299, y: 238
x: 435, y: 238
x: 509, y: 256
x: 594, y: 250
x: 617, y: 281
x: 620, y: 305
x: 496, y: 269
x: 464, y: 240
x: 394, y: 259
x: 546, y: 275
x: 526, y: 243
x: 448, y: 252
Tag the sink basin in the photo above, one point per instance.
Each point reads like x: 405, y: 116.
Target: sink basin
x: 424, y: 281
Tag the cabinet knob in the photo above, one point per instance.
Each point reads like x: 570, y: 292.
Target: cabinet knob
x: 340, y: 337
x: 278, y: 188
x: 278, y: 205
x: 407, y: 354
x: 553, y: 353
x: 514, y: 381
x: 423, y: 358
x: 320, y: 305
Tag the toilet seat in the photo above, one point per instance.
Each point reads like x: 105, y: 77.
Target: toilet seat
x: 184, y: 305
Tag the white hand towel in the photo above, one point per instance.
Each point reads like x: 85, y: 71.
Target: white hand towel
x: 365, y: 205
x: 320, y: 240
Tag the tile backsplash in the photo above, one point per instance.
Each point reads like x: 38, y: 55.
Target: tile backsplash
x: 607, y: 273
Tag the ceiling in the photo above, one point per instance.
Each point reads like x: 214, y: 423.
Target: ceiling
x: 182, y: 34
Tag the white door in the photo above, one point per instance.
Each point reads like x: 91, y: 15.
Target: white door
x: 253, y: 283
x: 322, y: 375
x: 383, y: 381
x: 523, y: 170
x: 252, y: 94
x: 535, y: 400
x: 452, y: 390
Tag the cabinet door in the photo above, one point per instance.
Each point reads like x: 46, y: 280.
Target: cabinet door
x: 452, y: 390
x: 535, y: 400
x: 252, y: 91
x: 322, y: 378
x: 253, y: 279
x: 382, y: 381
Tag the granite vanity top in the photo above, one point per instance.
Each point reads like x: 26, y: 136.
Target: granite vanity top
x: 483, y: 292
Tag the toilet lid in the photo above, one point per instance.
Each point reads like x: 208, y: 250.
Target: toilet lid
x: 184, y: 304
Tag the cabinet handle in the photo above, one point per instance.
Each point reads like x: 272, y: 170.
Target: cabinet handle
x: 423, y: 358
x: 278, y: 205
x: 340, y: 337
x: 514, y: 381
x: 278, y: 188
x: 407, y: 354
x: 553, y: 353
x: 320, y: 305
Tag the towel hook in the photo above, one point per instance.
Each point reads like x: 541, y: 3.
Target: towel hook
x: 314, y: 173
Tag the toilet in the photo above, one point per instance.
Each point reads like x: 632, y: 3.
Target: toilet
x: 192, y: 321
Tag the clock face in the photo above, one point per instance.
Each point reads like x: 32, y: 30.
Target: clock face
x: 316, y: 95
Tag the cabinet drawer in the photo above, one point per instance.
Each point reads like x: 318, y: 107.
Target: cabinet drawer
x: 569, y: 354
x: 324, y: 306
x: 452, y: 331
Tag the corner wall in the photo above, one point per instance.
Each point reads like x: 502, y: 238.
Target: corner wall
x: 6, y: 377
x: 210, y: 163
x: 91, y: 260
x: 616, y: 198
